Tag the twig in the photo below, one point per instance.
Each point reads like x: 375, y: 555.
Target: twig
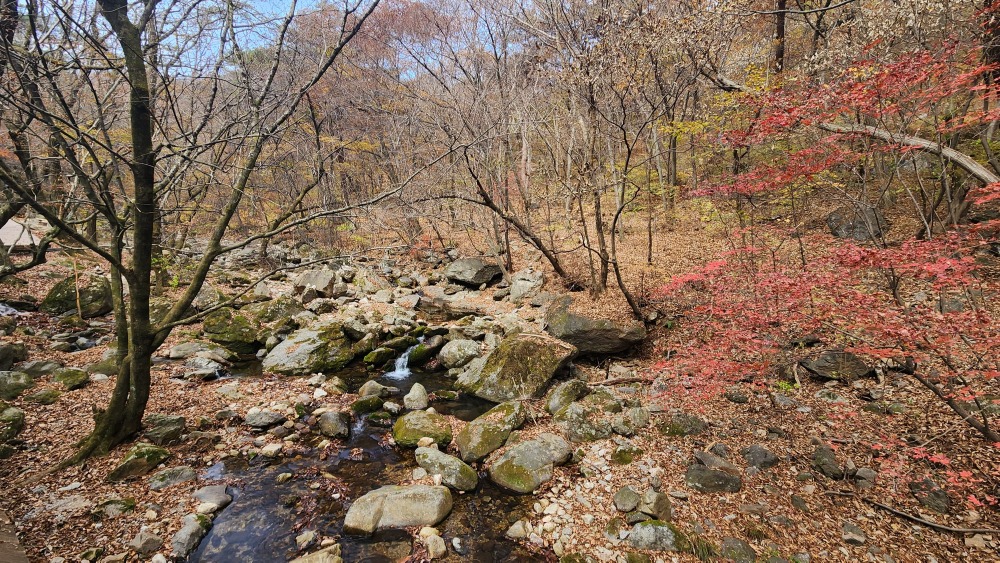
x: 620, y: 380
x: 913, y: 518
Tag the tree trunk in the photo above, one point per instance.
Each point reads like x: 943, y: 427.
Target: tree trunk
x: 123, y: 417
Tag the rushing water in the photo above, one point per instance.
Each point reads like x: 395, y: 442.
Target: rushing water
x: 6, y: 310
x: 264, y: 517
x: 401, y: 367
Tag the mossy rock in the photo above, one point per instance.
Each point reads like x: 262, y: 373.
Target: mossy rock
x: 681, y: 424
x: 278, y: 313
x: 366, y: 405
x: 521, y: 367
x: 11, y: 423
x: 107, y: 366
x: 426, y: 351
x: 140, y: 460
x: 321, y: 349
x: 657, y: 535
x: 13, y: 383
x: 234, y: 330
x: 44, y: 397
x: 380, y: 418
x: 413, y: 426
x: 490, y: 430
x: 114, y: 507
x: 95, y: 297
x: 604, y: 399
x: 565, y: 393
x: 10, y: 354
x: 379, y: 356
x: 400, y: 343
x: 624, y: 455
x: 71, y: 378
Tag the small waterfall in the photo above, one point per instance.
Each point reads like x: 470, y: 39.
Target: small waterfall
x: 400, y: 370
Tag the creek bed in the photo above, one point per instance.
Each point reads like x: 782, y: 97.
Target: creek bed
x: 265, y: 517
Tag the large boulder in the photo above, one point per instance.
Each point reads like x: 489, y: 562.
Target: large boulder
x: 453, y: 472
x: 591, y: 335
x: 323, y: 281
x: 457, y: 353
x: 413, y: 426
x: 208, y: 296
x: 490, y: 431
x: 233, y: 329
x: 526, y: 283
x: 863, y: 225
x: 94, y: 297
x: 279, y: 313
x: 394, y: 506
x: 525, y: 466
x: 521, y: 367
x: 13, y: 383
x: 472, y: 271
x: 320, y: 349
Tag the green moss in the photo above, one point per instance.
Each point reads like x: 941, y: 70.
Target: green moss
x: 703, y: 549
x: 367, y: 404
x: 624, y: 455
x: 379, y: 356
x: 44, y: 397
x: 71, y: 378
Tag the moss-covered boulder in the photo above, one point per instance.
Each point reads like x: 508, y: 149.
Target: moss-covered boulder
x: 94, y: 297
x: 490, y: 430
x: 71, y: 378
x: 379, y: 356
x: 13, y: 383
x: 425, y: 351
x: 233, y: 329
x: 140, y: 460
x: 453, y: 472
x: 366, y: 405
x: 591, y: 335
x: 11, y: 423
x: 43, y: 397
x: 401, y: 343
x: 413, y: 426
x: 525, y: 466
x: 565, y: 393
x: 276, y: 315
x: 584, y: 422
x: 320, y: 349
x: 521, y: 367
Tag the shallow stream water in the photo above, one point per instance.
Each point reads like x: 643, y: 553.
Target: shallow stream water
x: 265, y: 516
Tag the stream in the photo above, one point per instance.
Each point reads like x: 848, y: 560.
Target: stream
x: 265, y: 517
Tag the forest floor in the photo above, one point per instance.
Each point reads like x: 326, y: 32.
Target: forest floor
x: 784, y: 512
